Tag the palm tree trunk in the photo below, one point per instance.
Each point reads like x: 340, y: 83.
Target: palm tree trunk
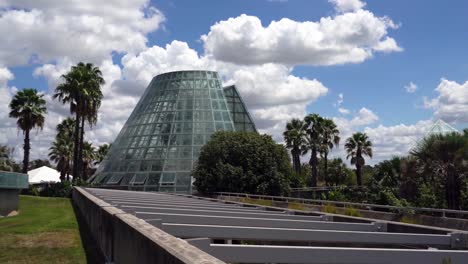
x: 452, y: 189
x: 296, y: 161
x: 325, y: 156
x: 359, y: 174
x: 76, y: 140
x: 80, y: 151
x: 26, y: 149
x: 313, y: 164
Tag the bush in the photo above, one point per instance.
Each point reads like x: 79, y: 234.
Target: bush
x: 352, y: 212
x: 243, y: 162
x: 328, y: 208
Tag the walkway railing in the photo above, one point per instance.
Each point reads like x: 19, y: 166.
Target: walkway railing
x: 372, y: 207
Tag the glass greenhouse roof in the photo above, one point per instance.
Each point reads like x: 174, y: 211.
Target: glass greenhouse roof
x: 440, y: 127
x: 161, y: 140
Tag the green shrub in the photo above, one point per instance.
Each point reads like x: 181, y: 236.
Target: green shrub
x: 328, y: 208
x: 256, y: 201
x: 59, y: 189
x: 352, y: 212
x: 296, y: 206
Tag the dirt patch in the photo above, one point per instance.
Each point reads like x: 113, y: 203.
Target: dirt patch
x: 46, y: 239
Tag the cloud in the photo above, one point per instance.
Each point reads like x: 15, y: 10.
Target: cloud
x: 396, y: 140
x: 347, y: 5
x: 79, y: 30
x: 343, y: 111
x: 451, y: 104
x: 346, y: 38
x: 411, y: 87
x: 272, y: 94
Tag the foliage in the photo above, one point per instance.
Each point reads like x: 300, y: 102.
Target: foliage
x: 243, y: 162
x: 61, y: 151
x: 328, y: 208
x: 44, y: 231
x: 338, y: 173
x: 352, y: 212
x: 101, y: 153
x: 29, y: 108
x: 81, y: 89
x: 314, y: 130
x: 37, y: 163
x: 337, y: 195
x: 357, y: 146
x: 256, y: 201
x: 89, y: 157
x: 294, y: 137
x: 6, y: 162
x: 330, y: 138
x: 444, y: 161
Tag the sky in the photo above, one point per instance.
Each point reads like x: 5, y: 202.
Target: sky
x: 386, y: 68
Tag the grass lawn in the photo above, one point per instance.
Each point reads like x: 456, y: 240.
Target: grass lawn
x: 44, y: 231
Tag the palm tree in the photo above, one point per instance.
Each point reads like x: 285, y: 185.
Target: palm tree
x: 61, y: 152
x: 89, y: 157
x: 82, y: 90
x: 445, y: 158
x: 330, y: 139
x: 294, y: 136
x: 357, y: 146
x: 29, y: 108
x: 101, y: 153
x: 314, y: 130
x: 5, y: 163
x: 66, y: 128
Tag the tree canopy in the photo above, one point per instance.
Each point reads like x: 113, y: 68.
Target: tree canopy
x: 243, y: 162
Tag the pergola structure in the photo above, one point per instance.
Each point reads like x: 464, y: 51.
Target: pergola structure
x: 242, y: 233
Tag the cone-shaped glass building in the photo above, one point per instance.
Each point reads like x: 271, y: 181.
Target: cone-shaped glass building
x: 161, y: 140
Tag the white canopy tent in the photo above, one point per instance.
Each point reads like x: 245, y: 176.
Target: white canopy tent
x: 44, y: 174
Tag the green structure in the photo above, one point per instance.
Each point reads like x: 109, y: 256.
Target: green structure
x: 161, y: 140
x: 11, y: 184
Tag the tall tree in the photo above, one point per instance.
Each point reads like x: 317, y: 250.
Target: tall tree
x: 101, y: 153
x: 89, y: 157
x: 61, y: 153
x: 5, y: 162
x: 330, y: 139
x: 294, y: 136
x: 29, y: 108
x: 314, y: 131
x: 357, y: 146
x: 82, y: 90
x: 61, y: 150
x: 445, y: 157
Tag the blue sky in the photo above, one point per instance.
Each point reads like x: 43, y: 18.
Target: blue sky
x: 134, y: 41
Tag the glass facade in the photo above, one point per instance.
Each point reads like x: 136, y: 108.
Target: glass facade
x: 239, y: 114
x: 161, y: 140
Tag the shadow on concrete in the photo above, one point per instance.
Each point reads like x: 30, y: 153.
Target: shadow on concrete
x: 93, y: 253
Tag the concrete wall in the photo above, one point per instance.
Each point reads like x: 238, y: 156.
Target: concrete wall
x: 9, y: 200
x: 124, y: 238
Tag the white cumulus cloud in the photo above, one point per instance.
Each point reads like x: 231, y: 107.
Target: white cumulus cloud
x: 451, y: 104
x: 346, y: 38
x: 87, y: 30
x: 347, y: 5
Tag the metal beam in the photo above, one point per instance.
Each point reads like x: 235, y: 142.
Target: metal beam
x: 256, y: 222
x: 195, y: 207
x: 259, y: 214
x: 189, y: 202
x: 331, y: 255
x: 187, y: 205
x: 304, y: 235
